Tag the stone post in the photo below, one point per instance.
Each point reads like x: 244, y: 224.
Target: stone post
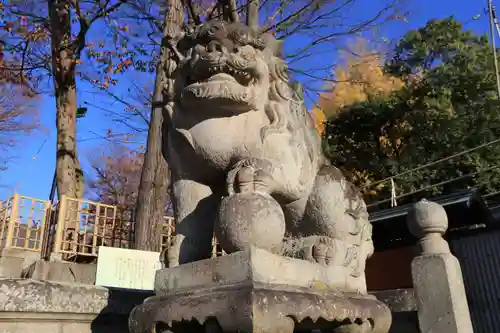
x: 437, y: 276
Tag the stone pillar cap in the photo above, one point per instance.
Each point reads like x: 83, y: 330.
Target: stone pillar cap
x: 427, y: 217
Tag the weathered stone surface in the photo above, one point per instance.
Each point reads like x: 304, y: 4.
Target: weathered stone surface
x: 403, y: 306
x: 14, y: 261
x: 441, y: 300
x: 25, y: 295
x: 428, y: 222
x: 16, y: 322
x: 245, y: 156
x: 20, y: 295
x: 251, y: 266
x: 30, y: 327
x: 257, y: 291
x: 436, y: 273
x: 260, y: 224
x: 61, y: 271
x: 75, y: 327
x: 39, y: 306
x: 398, y: 300
x: 263, y: 308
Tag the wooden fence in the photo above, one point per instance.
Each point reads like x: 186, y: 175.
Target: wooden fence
x: 72, y: 228
x: 22, y: 222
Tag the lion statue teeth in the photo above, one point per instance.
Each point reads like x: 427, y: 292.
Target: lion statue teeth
x: 247, y: 162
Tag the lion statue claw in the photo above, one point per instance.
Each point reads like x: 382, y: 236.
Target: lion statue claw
x: 243, y: 151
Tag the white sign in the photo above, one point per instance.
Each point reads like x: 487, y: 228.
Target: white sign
x: 128, y: 269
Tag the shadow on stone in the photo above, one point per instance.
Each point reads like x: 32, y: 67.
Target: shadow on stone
x: 403, y: 309
x: 114, y: 316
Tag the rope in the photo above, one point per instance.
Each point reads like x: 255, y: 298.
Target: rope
x: 434, y: 185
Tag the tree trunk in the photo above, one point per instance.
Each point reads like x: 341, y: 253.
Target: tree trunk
x: 153, y: 188
x: 69, y: 176
x: 253, y: 14
x: 229, y: 11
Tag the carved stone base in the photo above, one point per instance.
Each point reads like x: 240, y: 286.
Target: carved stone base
x: 248, y: 292
x: 263, y: 309
x: 255, y: 265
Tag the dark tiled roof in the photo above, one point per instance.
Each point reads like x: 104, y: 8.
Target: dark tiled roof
x: 464, y: 208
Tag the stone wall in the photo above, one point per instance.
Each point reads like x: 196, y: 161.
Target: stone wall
x: 14, y: 261
x: 19, y: 263
x: 30, y: 306
x: 62, y: 271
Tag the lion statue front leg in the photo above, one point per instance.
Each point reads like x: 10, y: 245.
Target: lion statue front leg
x: 250, y: 215
x: 252, y: 174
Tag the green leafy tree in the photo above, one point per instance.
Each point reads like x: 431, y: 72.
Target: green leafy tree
x: 449, y: 104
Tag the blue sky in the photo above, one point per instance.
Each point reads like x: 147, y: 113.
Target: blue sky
x: 32, y: 171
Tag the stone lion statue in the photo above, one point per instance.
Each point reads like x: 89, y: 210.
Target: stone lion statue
x: 247, y: 161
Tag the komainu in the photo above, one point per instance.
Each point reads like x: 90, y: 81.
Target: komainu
x: 239, y: 129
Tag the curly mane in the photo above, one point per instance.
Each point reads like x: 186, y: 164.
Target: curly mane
x: 286, y: 110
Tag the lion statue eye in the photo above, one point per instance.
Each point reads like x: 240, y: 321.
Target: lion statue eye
x: 240, y: 36
x: 260, y: 42
x: 215, y: 28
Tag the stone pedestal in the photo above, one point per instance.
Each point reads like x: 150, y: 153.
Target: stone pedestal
x: 437, y: 276
x: 255, y: 291
x: 441, y: 297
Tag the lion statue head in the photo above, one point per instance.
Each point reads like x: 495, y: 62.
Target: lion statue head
x: 231, y: 68
x: 228, y: 69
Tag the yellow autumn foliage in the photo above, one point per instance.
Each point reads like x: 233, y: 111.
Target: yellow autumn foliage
x: 359, y: 76
x: 319, y: 119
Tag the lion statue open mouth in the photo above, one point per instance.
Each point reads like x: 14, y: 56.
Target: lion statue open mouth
x: 228, y: 66
x: 238, y: 126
